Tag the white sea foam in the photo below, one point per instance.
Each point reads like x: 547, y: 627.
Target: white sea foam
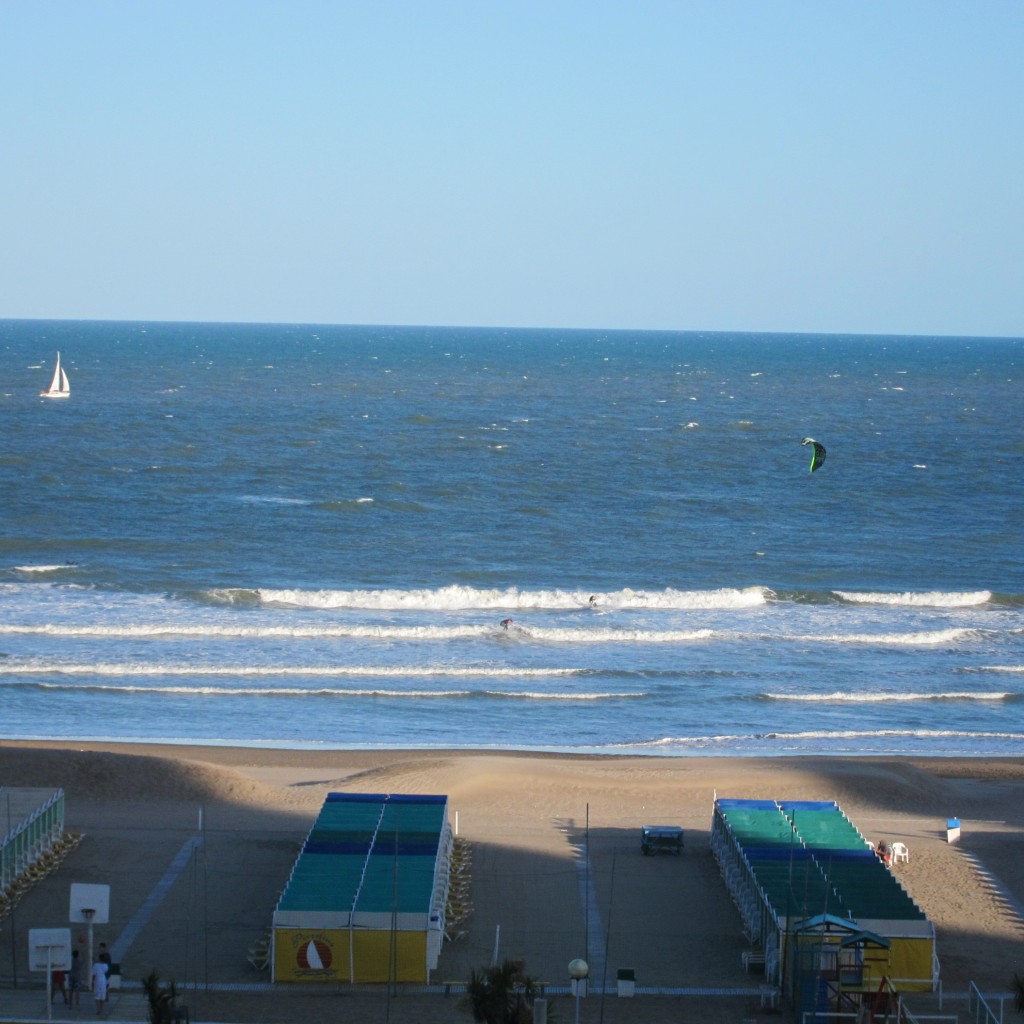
x: 828, y: 734
x: 42, y: 568
x: 399, y: 671
x: 934, y: 599
x: 173, y: 629
x: 424, y: 633
x: 455, y: 598
x: 273, y: 499
x: 242, y: 691
x: 922, y: 638
x: 613, y: 636
x: 867, y: 697
x: 518, y: 630
x: 284, y: 691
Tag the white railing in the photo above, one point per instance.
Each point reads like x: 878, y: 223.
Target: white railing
x: 905, y: 1017
x: 981, y: 1012
x: 31, y: 838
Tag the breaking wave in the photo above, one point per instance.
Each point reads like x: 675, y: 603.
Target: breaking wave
x: 826, y: 735
x: 934, y: 599
x: 331, y: 692
x: 401, y: 671
x: 868, y: 697
x: 456, y: 598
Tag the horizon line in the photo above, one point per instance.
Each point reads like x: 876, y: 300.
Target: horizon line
x: 772, y: 332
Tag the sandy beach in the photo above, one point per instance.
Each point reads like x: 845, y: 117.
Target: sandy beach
x: 526, y: 818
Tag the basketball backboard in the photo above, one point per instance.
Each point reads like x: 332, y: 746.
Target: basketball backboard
x: 86, y: 898
x: 49, y: 949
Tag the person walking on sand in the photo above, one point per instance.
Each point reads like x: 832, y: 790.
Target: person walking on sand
x: 74, y: 980
x: 59, y: 984
x: 99, y: 984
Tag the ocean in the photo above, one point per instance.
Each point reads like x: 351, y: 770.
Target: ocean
x: 310, y: 536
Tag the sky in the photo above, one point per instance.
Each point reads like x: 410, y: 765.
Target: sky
x: 835, y: 166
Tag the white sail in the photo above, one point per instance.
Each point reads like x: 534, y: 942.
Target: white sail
x: 59, y: 386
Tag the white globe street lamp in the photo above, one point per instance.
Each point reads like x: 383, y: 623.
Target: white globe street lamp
x: 578, y: 971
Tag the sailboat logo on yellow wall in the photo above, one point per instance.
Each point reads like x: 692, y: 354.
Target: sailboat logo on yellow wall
x: 315, y: 955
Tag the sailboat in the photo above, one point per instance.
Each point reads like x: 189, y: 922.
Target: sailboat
x: 59, y: 386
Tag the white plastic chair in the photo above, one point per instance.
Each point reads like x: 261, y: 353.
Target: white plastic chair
x: 900, y: 853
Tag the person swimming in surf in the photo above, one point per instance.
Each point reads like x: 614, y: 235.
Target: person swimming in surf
x: 505, y: 623
x: 593, y: 601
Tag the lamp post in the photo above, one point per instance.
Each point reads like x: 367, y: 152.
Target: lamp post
x: 89, y: 913
x: 578, y: 971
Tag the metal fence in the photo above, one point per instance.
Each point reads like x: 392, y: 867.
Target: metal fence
x: 27, y: 841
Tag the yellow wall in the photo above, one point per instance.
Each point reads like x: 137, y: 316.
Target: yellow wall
x: 911, y: 958
x: 907, y: 963
x: 322, y: 955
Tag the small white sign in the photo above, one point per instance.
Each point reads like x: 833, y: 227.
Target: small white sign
x: 89, y: 903
x: 49, y: 949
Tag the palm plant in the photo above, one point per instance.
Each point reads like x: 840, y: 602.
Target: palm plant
x: 161, y: 998
x: 501, y: 994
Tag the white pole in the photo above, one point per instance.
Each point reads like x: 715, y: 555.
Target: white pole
x: 456, y: 822
x: 49, y: 982
x: 497, y: 936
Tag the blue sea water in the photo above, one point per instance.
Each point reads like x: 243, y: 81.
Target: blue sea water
x: 308, y: 536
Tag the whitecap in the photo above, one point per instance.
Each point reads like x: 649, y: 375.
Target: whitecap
x: 930, y: 599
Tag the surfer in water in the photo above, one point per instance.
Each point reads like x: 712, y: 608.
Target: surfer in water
x: 505, y: 623
x: 593, y: 601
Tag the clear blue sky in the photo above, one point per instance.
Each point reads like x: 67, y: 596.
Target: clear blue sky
x: 766, y: 165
